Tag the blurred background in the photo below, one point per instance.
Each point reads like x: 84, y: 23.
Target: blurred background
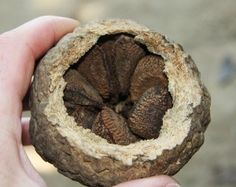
x: 206, y: 29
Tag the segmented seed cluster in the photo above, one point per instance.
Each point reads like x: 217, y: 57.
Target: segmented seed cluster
x: 118, y: 90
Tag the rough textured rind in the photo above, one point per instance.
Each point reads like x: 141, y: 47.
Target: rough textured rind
x: 90, y: 159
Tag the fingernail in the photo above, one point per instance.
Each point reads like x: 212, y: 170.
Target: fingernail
x: 173, y: 185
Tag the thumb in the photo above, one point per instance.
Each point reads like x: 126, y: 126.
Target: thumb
x: 157, y: 181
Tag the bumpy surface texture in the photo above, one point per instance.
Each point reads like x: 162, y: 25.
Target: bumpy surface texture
x: 81, y: 155
x: 118, y: 90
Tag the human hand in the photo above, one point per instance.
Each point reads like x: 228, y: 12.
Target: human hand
x: 156, y: 181
x: 19, y: 50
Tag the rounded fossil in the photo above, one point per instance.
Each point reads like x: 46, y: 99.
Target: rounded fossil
x: 114, y: 101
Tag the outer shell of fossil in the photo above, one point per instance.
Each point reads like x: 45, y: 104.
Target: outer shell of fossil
x: 114, y: 101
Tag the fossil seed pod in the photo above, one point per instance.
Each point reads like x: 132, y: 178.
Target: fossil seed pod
x: 152, y: 96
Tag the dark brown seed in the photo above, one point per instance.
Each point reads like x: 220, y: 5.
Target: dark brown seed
x: 113, y: 127
x: 148, y: 73
x: 109, y: 64
x: 128, y: 53
x: 116, y: 73
x: 79, y: 91
x: 70, y: 107
x: 84, y: 116
x: 146, y: 118
x: 93, y: 69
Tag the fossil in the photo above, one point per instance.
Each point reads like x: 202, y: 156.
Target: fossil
x: 114, y: 101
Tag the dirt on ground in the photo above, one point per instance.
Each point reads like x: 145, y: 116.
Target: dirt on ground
x: 207, y: 31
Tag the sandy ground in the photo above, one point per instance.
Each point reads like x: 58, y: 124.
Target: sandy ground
x: 206, y: 29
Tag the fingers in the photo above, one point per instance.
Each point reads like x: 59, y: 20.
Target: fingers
x: 157, y: 181
x: 23, y: 45
x: 25, y: 137
x: 41, y: 33
x: 20, y: 48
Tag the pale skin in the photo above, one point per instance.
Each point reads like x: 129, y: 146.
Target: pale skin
x: 20, y: 48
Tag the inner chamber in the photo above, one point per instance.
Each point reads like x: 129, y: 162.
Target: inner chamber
x: 118, y: 90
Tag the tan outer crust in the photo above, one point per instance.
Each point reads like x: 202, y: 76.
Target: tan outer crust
x: 87, y: 158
